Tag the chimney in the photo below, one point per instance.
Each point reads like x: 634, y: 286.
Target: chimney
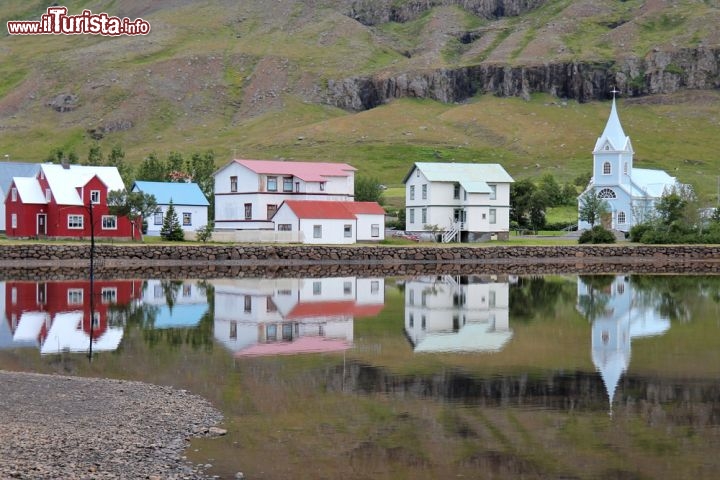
x: 65, y: 164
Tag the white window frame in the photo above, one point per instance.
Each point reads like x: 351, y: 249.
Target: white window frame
x: 621, y: 218
x: 187, y: 219
x: 158, y: 217
x: 48, y: 195
x: 423, y: 215
x: 107, y: 225
x: 347, y: 230
x: 13, y: 220
x: 317, y: 231
x: 493, y: 192
x: 233, y: 184
x: 375, y: 230
x: 75, y: 296
x: 273, y: 180
x: 424, y: 191
x: 492, y: 216
x: 14, y: 194
x: 411, y: 215
x: 412, y: 192
x: 607, y: 168
x: 108, y: 295
x: 95, y: 197
x: 75, y: 222
x: 284, y: 227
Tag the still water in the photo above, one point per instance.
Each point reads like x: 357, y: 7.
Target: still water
x: 499, y: 376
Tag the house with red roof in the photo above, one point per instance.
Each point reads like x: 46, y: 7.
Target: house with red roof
x: 65, y: 201
x: 249, y: 192
x: 327, y: 222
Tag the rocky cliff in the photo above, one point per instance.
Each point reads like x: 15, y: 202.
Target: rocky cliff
x: 657, y: 73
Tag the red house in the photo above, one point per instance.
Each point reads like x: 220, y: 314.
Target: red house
x: 65, y: 201
x: 56, y: 316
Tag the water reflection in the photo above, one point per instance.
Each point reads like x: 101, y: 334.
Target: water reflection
x: 287, y: 316
x: 457, y: 313
x: 55, y: 317
x: 175, y: 303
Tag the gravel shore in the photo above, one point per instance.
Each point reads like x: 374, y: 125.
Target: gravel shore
x: 58, y: 427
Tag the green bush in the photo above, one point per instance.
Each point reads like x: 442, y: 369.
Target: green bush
x: 637, y: 231
x: 597, y: 234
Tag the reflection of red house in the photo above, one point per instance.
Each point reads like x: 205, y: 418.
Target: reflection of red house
x: 32, y: 308
x: 59, y: 201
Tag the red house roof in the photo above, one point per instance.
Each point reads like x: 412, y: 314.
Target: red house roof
x: 365, y: 208
x: 308, y: 171
x: 320, y: 209
x: 336, y: 308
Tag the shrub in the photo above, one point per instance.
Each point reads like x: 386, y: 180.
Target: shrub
x: 637, y: 231
x: 203, y: 234
x: 597, y: 234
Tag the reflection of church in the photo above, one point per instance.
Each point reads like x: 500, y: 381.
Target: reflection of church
x: 618, y: 314
x: 287, y: 316
x: 56, y: 316
x: 457, y: 314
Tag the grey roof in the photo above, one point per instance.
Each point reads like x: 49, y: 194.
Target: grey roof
x: 466, y: 172
x: 8, y: 170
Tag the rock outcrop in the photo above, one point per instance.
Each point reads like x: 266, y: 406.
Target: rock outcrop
x: 658, y: 73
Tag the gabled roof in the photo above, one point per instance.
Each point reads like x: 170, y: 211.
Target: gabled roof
x: 29, y: 190
x: 8, y: 170
x: 613, y: 133
x: 364, y: 208
x: 64, y: 181
x: 319, y: 209
x: 651, y: 182
x: 179, y: 193
x: 307, y: 171
x: 456, y: 172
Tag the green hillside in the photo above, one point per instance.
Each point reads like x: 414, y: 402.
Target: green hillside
x: 247, y: 79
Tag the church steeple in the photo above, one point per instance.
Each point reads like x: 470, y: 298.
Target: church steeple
x: 613, y: 133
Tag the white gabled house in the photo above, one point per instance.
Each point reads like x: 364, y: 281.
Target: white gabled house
x: 323, y: 222
x: 9, y: 170
x: 188, y: 200
x: 249, y: 192
x: 466, y: 202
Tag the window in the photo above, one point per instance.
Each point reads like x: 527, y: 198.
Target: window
x: 621, y: 217
x: 606, y: 193
x: 411, y: 297
x: 456, y: 191
x: 158, y: 217
x: 108, y: 295
x: 109, y: 222
x: 322, y: 186
x: 347, y: 288
x: 13, y: 220
x: 423, y: 322
x: 423, y: 213
x: 493, y: 216
x: 271, y: 332
x: 375, y: 230
x: 187, y: 290
x: 423, y: 299
x: 493, y: 192
x: 247, y: 303
x: 271, y: 209
x: 297, y: 187
x: 424, y: 191
x: 95, y: 320
x: 348, y: 231
x: 233, y: 184
x: 233, y: 330
x: 317, y: 288
x: 287, y: 184
x: 412, y: 192
x: 13, y: 295
x: 270, y: 305
x: 248, y: 211
x: 158, y: 291
x: 607, y: 168
x: 374, y: 286
x: 284, y: 227
x: 187, y: 219
x: 14, y: 194
x: 412, y: 215
x: 625, y: 168
x: 317, y: 231
x: 48, y: 195
x: 491, y: 298
x: 272, y: 184
x: 411, y: 320
x: 75, y: 296
x: 95, y: 196
x: 75, y: 222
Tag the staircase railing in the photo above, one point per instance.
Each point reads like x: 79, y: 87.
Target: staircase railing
x: 451, y: 233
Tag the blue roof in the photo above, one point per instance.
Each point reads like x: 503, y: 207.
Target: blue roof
x: 179, y: 193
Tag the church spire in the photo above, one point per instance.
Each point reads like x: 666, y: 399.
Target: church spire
x: 613, y: 132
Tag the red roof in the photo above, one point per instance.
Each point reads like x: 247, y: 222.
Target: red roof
x: 308, y: 171
x: 301, y: 345
x: 336, y: 308
x: 325, y: 209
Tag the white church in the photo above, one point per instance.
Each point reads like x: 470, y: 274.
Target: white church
x: 630, y: 192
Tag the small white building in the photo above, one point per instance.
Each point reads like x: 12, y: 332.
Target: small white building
x: 8, y: 170
x: 188, y: 200
x: 323, y: 222
x: 466, y: 202
x: 249, y: 192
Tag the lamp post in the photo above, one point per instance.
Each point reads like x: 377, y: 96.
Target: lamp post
x: 92, y: 276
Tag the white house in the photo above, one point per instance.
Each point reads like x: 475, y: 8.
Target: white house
x: 249, y: 192
x: 324, y: 222
x: 630, y: 192
x: 188, y: 200
x: 8, y: 170
x: 288, y: 316
x: 457, y: 314
x: 465, y: 201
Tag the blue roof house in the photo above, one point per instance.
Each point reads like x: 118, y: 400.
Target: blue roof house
x: 630, y: 192
x: 189, y: 202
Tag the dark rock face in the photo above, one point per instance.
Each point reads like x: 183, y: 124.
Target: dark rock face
x: 657, y: 73
x: 64, y: 102
x: 374, y: 12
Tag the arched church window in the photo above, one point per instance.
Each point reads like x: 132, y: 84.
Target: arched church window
x: 625, y: 168
x: 621, y: 217
x: 607, y: 193
x: 607, y: 168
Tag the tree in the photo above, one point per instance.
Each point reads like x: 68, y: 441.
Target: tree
x: 203, y: 234
x: 592, y: 207
x: 152, y: 169
x: 60, y: 155
x: 201, y: 169
x: 171, y: 229
x: 520, y: 201
x: 368, y: 189
x: 538, y: 203
x: 552, y: 190
x: 677, y: 208
x: 133, y: 205
x: 95, y: 156
x: 116, y: 159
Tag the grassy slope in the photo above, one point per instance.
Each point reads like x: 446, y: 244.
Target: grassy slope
x: 191, y: 86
